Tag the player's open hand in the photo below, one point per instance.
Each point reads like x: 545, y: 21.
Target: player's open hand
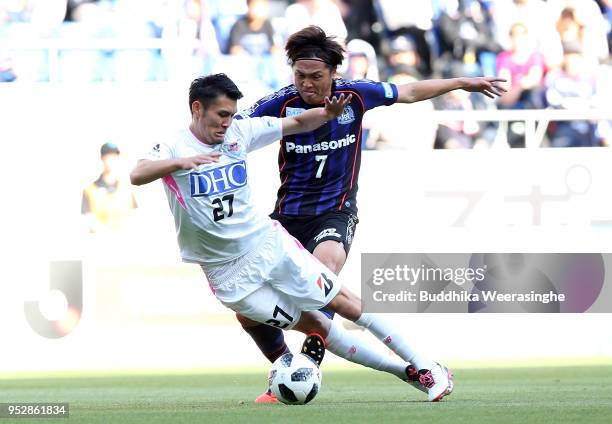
x: 489, y: 86
x: 194, y: 161
x: 335, y: 105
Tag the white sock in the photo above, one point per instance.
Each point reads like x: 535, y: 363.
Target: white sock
x: 387, y: 334
x: 340, y: 342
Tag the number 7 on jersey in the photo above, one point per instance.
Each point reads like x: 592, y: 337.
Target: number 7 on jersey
x: 321, y: 159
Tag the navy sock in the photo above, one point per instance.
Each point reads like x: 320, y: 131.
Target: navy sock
x: 269, y: 340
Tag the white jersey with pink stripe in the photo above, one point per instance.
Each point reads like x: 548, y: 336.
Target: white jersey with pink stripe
x: 215, y: 218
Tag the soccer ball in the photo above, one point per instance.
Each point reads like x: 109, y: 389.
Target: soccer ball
x: 295, y: 379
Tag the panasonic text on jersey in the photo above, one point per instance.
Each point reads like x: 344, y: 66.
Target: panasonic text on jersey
x: 322, y: 146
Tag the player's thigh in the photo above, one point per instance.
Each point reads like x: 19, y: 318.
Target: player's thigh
x: 298, y: 274
x: 267, y: 305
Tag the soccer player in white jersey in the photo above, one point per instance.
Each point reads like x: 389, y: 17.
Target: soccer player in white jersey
x: 253, y: 265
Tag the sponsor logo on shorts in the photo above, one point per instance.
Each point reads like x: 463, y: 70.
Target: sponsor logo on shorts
x: 347, y: 116
x: 350, y: 228
x: 218, y: 180
x: 328, y: 232
x: 322, y: 146
x: 325, y: 284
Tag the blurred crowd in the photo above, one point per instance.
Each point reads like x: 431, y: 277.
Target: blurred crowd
x: 554, y: 53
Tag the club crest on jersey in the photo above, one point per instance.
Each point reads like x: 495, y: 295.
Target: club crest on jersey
x: 218, y: 180
x: 232, y: 147
x: 347, y: 116
x: 294, y: 111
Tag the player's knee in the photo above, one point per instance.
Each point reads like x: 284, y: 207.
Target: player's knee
x: 245, y: 322
x: 331, y: 253
x: 335, y: 265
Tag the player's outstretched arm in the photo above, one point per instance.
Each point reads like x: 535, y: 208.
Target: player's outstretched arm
x: 314, y: 118
x: 427, y: 89
x: 147, y: 170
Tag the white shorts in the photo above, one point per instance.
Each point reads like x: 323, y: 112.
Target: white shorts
x: 279, y: 282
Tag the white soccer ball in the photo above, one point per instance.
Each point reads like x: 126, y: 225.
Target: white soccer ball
x: 295, y: 379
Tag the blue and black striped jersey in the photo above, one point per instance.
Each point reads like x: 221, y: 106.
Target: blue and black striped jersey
x: 319, y: 170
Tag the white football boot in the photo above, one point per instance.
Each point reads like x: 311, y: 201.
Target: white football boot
x: 413, y: 378
x: 438, y: 381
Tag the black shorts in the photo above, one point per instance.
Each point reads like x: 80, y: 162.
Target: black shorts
x: 313, y: 230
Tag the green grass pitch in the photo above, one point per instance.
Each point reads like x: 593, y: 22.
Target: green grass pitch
x: 552, y: 394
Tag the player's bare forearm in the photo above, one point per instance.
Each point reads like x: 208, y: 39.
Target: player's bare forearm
x: 305, y: 122
x: 313, y: 118
x: 423, y: 90
x: 147, y: 171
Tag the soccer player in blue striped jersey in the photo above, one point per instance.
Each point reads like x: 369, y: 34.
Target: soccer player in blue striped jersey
x: 319, y: 170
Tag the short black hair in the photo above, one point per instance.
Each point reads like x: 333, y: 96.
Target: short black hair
x: 207, y: 89
x: 312, y: 42
x: 109, y: 148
